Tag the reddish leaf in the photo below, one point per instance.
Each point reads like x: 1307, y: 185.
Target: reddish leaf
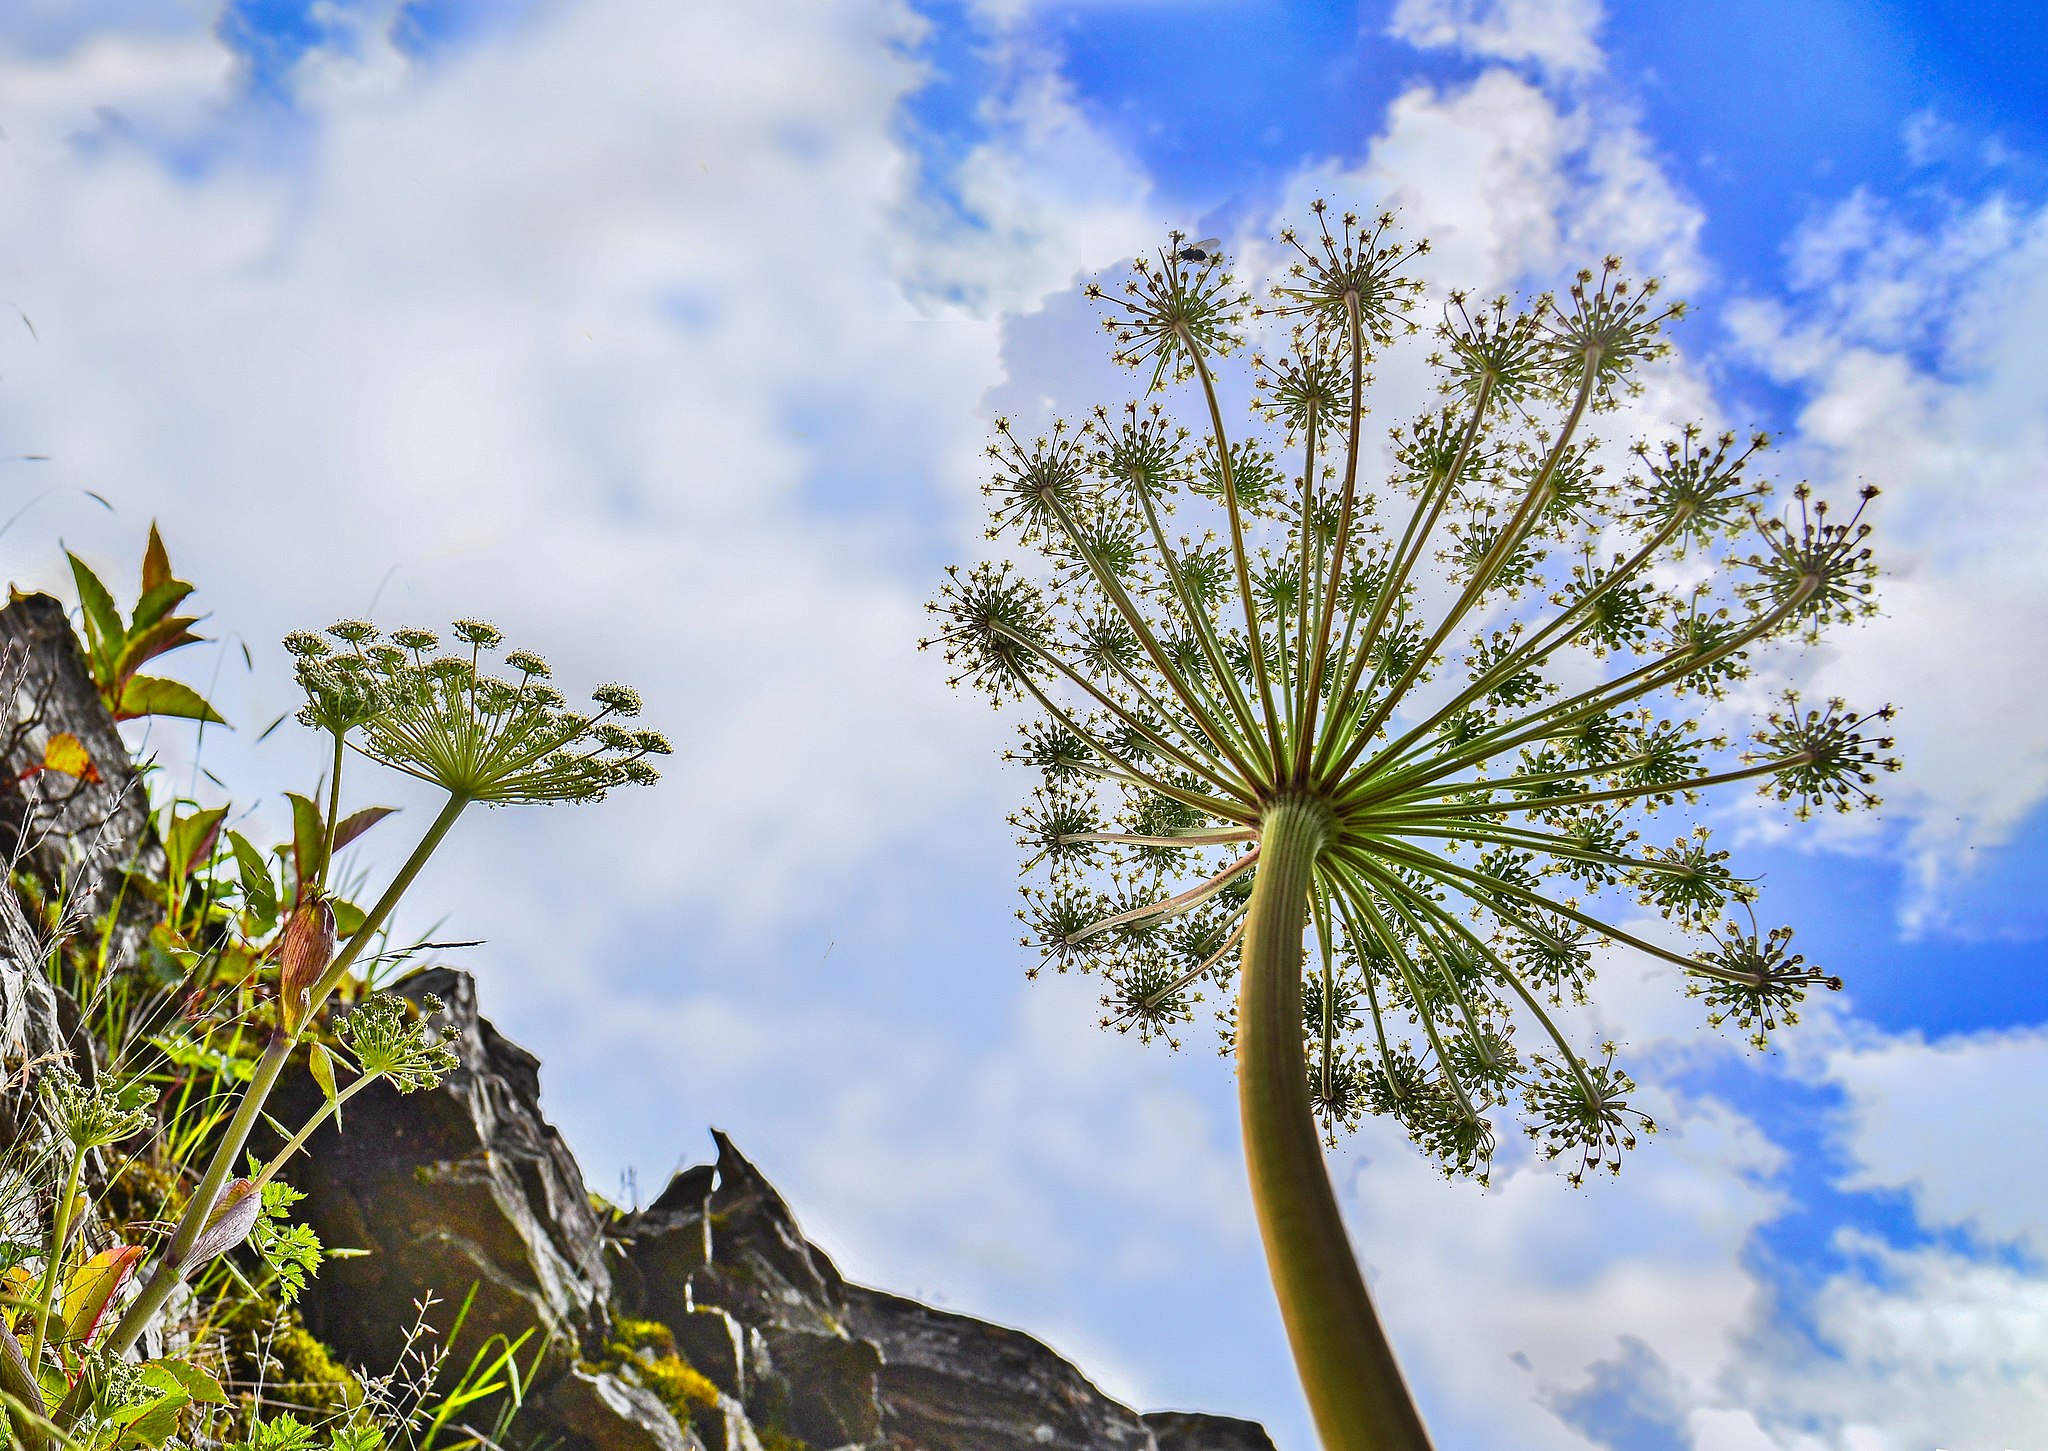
x: 156, y: 561
x: 151, y: 641
x: 91, y: 1289
x: 189, y: 842
x: 354, y: 825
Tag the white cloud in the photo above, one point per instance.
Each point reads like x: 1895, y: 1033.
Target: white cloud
x: 1559, y: 36
x: 1919, y: 352
x: 1921, y: 1348
x: 1511, y: 186
x: 1944, y: 1122
x: 1504, y: 1300
x: 595, y: 315
x: 635, y: 331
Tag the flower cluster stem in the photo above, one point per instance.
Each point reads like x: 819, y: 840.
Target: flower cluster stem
x: 53, y: 1261
x: 171, y: 1266
x: 1354, y: 1387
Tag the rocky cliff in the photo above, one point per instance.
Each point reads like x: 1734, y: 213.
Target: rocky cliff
x: 704, y: 1320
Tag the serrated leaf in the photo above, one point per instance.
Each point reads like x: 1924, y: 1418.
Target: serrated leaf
x: 156, y: 561
x: 156, y: 603
x: 150, y: 1425
x: 150, y: 641
x: 153, y: 695
x: 356, y: 823
x: 309, y: 837
x: 195, y: 1381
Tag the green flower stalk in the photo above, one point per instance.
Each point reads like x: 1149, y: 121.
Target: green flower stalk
x: 1376, y: 732
x: 480, y: 729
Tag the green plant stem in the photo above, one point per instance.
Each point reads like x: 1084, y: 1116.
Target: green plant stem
x: 333, y: 806
x: 1347, y: 1368
x: 373, y: 923
x: 53, y: 1261
x: 170, y: 1270
x: 297, y: 1141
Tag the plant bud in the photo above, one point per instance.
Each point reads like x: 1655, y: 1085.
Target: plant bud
x: 233, y: 1216
x: 307, y: 950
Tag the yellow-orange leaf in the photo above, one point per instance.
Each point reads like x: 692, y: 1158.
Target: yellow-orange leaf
x: 66, y: 753
x: 91, y: 1288
x: 15, y: 1286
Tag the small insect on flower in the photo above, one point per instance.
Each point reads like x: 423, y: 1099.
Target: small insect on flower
x: 1207, y: 252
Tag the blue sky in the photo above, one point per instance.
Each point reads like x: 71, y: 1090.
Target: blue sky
x: 667, y: 334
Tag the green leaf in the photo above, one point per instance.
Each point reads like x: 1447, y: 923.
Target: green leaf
x: 148, y: 1426
x: 321, y: 1062
x: 309, y: 837
x: 195, y: 1381
x: 348, y: 918
x: 355, y: 824
x: 156, y: 562
x: 103, y: 633
x: 150, y: 641
x: 258, y: 891
x: 153, y: 695
x: 190, y: 840
x: 157, y: 603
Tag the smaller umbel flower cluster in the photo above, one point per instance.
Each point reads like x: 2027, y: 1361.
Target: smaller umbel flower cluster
x: 481, y: 728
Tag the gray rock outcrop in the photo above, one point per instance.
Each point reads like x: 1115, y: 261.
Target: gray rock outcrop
x: 465, y: 1186
x: 954, y: 1383
x: 743, y: 1334
x: 72, y: 836
x: 1198, y: 1431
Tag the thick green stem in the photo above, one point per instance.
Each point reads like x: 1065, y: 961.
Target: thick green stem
x: 1347, y: 1369
x: 53, y: 1262
x: 170, y: 1269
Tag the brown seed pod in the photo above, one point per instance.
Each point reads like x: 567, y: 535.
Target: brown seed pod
x: 304, y: 956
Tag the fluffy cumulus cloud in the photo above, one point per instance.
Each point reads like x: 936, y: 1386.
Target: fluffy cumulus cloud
x: 1560, y: 36
x: 1917, y: 345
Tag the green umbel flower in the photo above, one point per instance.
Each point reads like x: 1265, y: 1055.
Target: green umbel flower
x: 1368, y: 730
x: 450, y: 719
